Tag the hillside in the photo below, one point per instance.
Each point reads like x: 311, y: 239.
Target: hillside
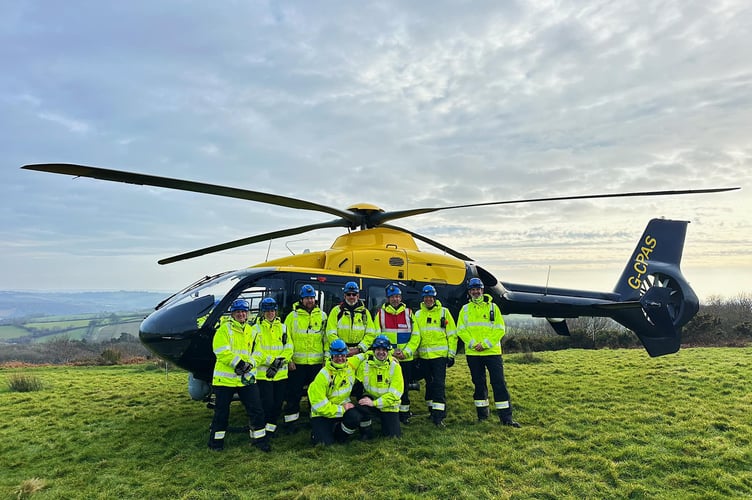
x: 15, y: 304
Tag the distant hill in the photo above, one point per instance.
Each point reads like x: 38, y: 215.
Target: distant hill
x: 23, y: 304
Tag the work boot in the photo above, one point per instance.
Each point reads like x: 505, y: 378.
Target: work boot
x: 404, y: 417
x: 365, y: 434
x: 482, y: 413
x: 510, y: 422
x: 263, y: 444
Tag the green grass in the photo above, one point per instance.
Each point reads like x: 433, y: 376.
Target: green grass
x: 12, y: 332
x: 596, y: 424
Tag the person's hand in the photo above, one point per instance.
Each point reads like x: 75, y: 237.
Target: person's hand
x: 399, y: 354
x: 291, y: 366
x: 450, y: 362
x: 349, y: 406
x: 352, y: 351
x: 365, y: 401
x: 242, y: 367
x: 479, y: 347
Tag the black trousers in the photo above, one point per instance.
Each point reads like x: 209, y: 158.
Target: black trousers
x: 390, y: 423
x: 435, y: 375
x: 251, y: 400
x: 478, y: 366
x: 297, y: 380
x: 272, y: 397
x: 407, y: 375
x: 330, y: 430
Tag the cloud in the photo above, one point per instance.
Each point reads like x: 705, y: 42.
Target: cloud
x: 401, y: 105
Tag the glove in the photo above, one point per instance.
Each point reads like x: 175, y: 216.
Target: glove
x: 274, y: 367
x: 450, y: 362
x: 242, y: 367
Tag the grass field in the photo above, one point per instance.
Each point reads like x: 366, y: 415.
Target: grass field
x: 596, y: 424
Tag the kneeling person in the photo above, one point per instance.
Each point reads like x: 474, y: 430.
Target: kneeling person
x: 379, y: 389
x: 333, y: 416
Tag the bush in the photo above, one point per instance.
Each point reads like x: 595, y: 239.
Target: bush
x: 111, y: 356
x: 24, y: 383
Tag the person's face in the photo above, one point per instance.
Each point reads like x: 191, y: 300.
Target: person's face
x: 380, y: 353
x: 339, y: 359
x: 475, y: 293
x: 270, y: 315
x: 351, y: 298
x: 429, y: 301
x: 239, y: 316
x: 395, y: 300
x: 308, y: 303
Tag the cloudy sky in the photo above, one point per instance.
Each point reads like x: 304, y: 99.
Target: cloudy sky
x: 400, y: 104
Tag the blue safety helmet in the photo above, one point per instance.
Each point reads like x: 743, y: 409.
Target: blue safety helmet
x: 381, y: 341
x: 393, y: 290
x: 351, y: 287
x: 474, y: 283
x: 428, y: 291
x: 338, y: 347
x: 268, y: 304
x: 307, y: 291
x: 240, y: 305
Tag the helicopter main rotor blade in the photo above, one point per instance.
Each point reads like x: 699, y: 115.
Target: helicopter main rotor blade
x: 440, y: 246
x: 196, y: 187
x: 379, y: 218
x: 252, y: 239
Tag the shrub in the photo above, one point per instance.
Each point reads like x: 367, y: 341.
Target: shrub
x: 111, y: 356
x: 24, y: 383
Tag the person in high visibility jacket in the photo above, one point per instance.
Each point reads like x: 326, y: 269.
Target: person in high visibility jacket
x: 235, y: 373
x: 437, y: 349
x: 306, y: 324
x: 334, y: 417
x: 395, y: 321
x: 481, y: 327
x: 378, y: 388
x: 350, y: 321
x: 273, y: 350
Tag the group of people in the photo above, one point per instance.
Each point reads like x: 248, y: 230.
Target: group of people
x: 357, y: 367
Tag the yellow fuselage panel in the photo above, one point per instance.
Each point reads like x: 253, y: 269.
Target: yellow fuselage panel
x: 378, y: 252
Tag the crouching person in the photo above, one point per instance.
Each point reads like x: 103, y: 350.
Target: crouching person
x: 379, y: 389
x: 333, y: 417
x: 235, y: 372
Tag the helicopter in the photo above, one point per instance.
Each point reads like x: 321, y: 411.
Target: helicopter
x: 651, y: 297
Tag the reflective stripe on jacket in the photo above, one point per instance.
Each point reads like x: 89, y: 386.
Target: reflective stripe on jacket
x: 271, y: 342
x: 481, y: 323
x: 382, y: 380
x: 231, y: 344
x: 438, y: 333
x: 350, y: 325
x: 308, y: 335
x: 330, y: 390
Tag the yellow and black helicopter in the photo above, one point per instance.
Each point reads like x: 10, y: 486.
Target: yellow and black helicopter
x: 651, y: 297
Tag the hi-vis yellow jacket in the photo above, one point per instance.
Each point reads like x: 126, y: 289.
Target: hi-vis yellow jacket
x: 352, y: 326
x: 438, y: 333
x: 330, y: 390
x: 382, y: 380
x: 481, y: 323
x: 231, y: 344
x: 270, y: 342
x: 308, y: 334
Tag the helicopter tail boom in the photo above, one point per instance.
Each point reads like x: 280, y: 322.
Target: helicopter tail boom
x: 652, y: 298
x: 653, y: 278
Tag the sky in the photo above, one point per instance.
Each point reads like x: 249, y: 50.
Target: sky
x: 399, y: 104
